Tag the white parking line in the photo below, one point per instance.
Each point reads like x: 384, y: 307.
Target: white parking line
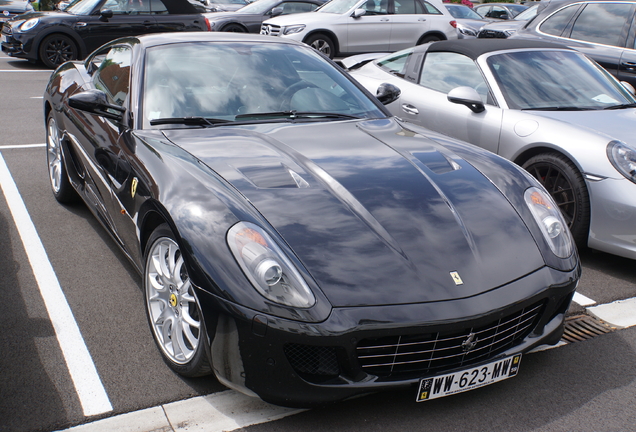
x: 88, y: 385
x: 621, y: 313
x: 581, y: 300
x: 21, y: 146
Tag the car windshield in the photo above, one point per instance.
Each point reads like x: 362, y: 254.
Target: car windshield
x: 555, y: 80
x: 460, y: 11
x: 82, y: 7
x: 259, y: 7
x: 338, y: 6
x: 204, y: 84
x: 528, y: 13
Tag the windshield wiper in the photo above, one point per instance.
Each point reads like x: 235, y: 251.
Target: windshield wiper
x: 621, y: 106
x: 559, y: 108
x: 292, y: 115
x: 190, y: 121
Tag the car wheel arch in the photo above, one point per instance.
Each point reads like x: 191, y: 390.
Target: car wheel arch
x: 539, y: 148
x: 234, y: 24
x: 431, y: 34
x: 81, y: 46
x: 328, y: 33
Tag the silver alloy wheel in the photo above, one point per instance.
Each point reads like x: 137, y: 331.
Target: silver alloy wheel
x: 322, y: 46
x: 172, y: 306
x: 54, y: 155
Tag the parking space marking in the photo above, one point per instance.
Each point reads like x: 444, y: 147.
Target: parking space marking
x: 88, y: 385
x: 21, y: 146
x: 621, y: 313
x: 581, y: 300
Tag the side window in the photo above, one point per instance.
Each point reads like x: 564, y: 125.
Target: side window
x: 555, y: 24
x: 157, y: 7
x: 297, y: 7
x: 444, y: 71
x: 430, y: 9
x: 483, y: 10
x: 396, y: 63
x: 376, y: 7
x: 498, y: 12
x: 408, y: 7
x: 128, y: 7
x: 113, y: 75
x: 603, y: 23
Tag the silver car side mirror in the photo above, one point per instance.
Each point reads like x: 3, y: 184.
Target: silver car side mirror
x: 358, y: 13
x: 466, y: 96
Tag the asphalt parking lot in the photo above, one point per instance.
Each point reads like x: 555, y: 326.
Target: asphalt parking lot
x: 60, y: 273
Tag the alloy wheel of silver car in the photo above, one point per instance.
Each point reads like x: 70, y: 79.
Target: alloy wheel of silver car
x: 173, y: 309
x: 323, y: 44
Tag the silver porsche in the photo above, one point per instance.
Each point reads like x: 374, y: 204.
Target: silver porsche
x: 546, y: 107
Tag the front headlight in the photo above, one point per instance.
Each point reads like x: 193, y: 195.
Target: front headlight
x: 466, y: 31
x: 623, y: 157
x: 29, y: 24
x: 294, y: 29
x: 266, y: 266
x: 550, y: 221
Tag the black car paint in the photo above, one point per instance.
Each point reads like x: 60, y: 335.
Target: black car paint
x: 91, y: 31
x: 189, y: 179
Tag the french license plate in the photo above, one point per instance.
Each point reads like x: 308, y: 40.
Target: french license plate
x: 469, y: 379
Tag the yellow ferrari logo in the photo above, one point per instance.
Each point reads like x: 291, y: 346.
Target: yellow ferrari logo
x: 456, y: 278
x: 133, y: 187
x: 173, y: 300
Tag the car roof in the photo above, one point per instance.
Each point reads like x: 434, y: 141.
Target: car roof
x: 156, y: 39
x: 474, y: 48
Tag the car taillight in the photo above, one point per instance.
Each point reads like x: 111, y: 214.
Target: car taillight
x: 207, y: 23
x: 453, y: 23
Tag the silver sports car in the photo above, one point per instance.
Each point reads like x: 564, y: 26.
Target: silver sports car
x: 546, y: 107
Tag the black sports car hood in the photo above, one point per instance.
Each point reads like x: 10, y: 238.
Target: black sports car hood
x: 377, y: 214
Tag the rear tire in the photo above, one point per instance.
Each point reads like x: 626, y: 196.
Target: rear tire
x: 172, y: 308
x: 234, y: 28
x: 323, y: 44
x: 566, y: 185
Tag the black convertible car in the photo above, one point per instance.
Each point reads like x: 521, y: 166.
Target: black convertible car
x: 55, y: 37
x: 293, y: 238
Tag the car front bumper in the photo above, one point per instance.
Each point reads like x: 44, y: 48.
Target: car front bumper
x: 613, y: 216
x: 308, y: 364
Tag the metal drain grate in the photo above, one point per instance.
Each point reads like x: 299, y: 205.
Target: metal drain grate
x: 582, y: 327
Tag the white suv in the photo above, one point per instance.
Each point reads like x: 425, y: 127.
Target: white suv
x: 345, y: 27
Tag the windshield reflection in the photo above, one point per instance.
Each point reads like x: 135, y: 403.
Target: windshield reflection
x: 223, y: 81
x: 555, y: 80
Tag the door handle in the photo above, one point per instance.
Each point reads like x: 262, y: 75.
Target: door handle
x: 421, y: 19
x: 384, y: 19
x: 410, y: 109
x: 147, y: 23
x: 629, y: 65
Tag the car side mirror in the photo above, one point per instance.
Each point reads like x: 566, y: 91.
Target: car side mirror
x: 466, y: 96
x: 358, y: 13
x: 276, y: 11
x: 105, y: 14
x: 95, y: 102
x: 629, y: 87
x: 503, y: 16
x: 387, y: 93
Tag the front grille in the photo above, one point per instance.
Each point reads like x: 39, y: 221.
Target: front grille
x: 314, y: 363
x: 270, y: 29
x: 427, y: 353
x: 491, y: 34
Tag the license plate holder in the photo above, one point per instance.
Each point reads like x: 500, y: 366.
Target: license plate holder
x: 468, y: 379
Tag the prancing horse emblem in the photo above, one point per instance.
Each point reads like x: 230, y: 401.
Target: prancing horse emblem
x: 456, y: 278
x: 470, y: 343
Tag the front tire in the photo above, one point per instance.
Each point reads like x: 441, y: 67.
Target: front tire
x: 566, y: 185
x: 173, y: 310
x: 322, y: 43
x: 56, y: 49
x: 58, y: 177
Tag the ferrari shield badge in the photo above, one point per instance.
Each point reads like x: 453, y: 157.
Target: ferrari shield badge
x: 458, y: 280
x: 133, y: 187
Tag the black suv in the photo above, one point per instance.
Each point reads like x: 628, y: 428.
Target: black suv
x: 602, y: 29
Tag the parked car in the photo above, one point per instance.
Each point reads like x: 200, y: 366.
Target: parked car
x: 499, y: 11
x: 603, y: 29
x: 468, y: 21
x: 544, y: 106
x: 292, y: 236
x: 55, y: 37
x: 502, y: 29
x: 344, y: 27
x: 250, y: 18
x: 11, y: 8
